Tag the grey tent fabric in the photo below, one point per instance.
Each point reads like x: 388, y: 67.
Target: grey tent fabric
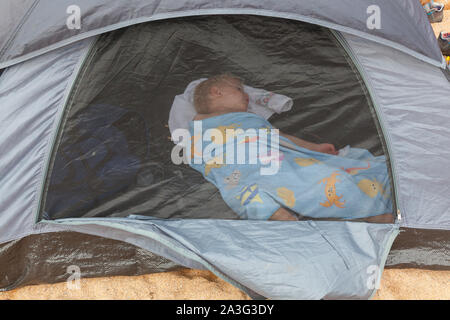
x: 14, y: 12
x: 30, y: 120
x: 276, y: 260
x: 415, y: 111
x: 44, y: 257
x: 38, y: 26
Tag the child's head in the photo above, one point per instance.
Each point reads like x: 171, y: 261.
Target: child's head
x: 223, y: 92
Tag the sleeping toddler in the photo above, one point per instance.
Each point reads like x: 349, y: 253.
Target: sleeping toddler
x: 311, y: 180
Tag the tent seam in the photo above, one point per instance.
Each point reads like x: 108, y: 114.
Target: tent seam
x: 383, y: 254
x: 379, y: 112
x: 444, y: 227
x: 45, y: 157
x: 198, y: 12
x: 35, y: 229
x: 14, y: 34
x: 2, y: 75
x: 404, y: 215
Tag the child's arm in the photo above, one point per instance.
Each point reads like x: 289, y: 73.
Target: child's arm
x: 322, y: 147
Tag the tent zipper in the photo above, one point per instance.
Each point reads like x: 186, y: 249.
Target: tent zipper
x: 343, y: 42
x: 77, y: 69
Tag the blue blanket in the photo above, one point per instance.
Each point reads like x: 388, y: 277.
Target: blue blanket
x: 257, y: 174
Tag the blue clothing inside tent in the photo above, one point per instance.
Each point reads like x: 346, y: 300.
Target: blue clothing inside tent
x: 98, y: 164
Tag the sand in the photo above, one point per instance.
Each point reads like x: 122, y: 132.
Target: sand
x: 185, y: 284
x: 189, y: 284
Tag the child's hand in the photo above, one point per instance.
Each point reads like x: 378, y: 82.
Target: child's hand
x: 326, y: 148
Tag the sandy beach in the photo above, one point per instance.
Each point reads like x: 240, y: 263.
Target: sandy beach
x: 203, y: 285
x: 189, y: 284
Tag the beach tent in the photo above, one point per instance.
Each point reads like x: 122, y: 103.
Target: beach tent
x: 87, y: 184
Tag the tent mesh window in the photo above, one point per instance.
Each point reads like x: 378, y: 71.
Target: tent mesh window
x: 112, y: 158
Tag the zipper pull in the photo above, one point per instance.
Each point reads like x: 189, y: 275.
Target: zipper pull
x: 399, y: 215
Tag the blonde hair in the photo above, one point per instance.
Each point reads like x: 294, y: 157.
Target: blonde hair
x: 201, y: 93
